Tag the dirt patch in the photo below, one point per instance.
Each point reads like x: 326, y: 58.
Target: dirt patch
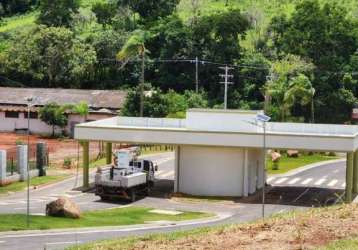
x: 58, y: 148
x: 301, y: 230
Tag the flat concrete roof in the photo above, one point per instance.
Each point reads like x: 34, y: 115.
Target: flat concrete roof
x: 221, y: 128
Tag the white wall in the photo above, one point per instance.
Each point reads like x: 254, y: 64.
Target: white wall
x: 222, y: 120
x: 255, y: 165
x: 10, y: 124
x: 216, y: 171
x: 39, y: 127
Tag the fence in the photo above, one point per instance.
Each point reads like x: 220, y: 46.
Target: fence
x: 11, y: 159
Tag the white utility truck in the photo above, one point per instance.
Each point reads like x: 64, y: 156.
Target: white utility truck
x: 128, y: 177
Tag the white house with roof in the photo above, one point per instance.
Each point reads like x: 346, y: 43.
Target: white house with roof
x: 13, y: 106
x: 220, y: 152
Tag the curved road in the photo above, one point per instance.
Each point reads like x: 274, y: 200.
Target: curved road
x: 330, y: 175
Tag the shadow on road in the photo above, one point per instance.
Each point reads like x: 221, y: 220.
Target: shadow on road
x: 278, y: 195
x: 298, y: 196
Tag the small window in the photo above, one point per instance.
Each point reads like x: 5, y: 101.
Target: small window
x: 136, y: 164
x: 146, y: 166
x: 11, y: 114
x: 33, y: 115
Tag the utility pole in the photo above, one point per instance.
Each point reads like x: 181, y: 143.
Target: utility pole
x: 226, y: 82
x: 29, y: 105
x: 196, y: 74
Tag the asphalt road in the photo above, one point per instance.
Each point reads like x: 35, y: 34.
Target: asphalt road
x: 327, y: 176
x: 16, y: 203
x: 330, y: 175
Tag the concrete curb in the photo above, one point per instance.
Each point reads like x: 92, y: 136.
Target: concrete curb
x: 307, y: 167
x: 151, y: 226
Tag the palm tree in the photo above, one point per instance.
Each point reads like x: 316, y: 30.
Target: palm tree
x: 276, y: 90
x: 135, y: 47
x: 287, y: 82
x: 300, y: 88
x: 82, y: 109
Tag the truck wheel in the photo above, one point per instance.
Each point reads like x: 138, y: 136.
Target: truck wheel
x: 132, y: 195
x: 104, y: 198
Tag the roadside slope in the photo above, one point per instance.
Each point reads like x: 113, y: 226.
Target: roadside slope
x: 297, y: 230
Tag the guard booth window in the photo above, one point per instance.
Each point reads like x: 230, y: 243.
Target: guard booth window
x: 135, y: 164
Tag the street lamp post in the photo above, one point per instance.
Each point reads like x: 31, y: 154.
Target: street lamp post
x: 29, y: 104
x: 264, y: 119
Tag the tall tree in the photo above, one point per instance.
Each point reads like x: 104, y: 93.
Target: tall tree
x: 300, y: 90
x: 104, y: 12
x: 151, y: 10
x: 217, y: 38
x: 11, y: 7
x: 57, y: 13
x: 327, y: 35
x: 282, y: 73
x: 54, y: 115
x: 134, y: 48
x: 52, y: 56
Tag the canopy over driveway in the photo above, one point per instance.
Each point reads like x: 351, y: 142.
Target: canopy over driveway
x: 231, y: 128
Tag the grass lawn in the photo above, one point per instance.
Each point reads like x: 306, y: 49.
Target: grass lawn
x: 107, y: 217
x: 154, y: 150
x: 36, y: 181
x: 98, y: 163
x: 287, y: 164
x: 21, y: 21
x: 350, y: 244
x: 309, y: 229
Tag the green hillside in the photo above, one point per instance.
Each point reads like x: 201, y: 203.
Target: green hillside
x: 27, y: 20
x: 262, y: 9
x: 312, y: 46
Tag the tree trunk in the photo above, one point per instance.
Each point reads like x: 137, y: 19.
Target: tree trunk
x: 142, y: 86
x: 312, y: 111
x: 53, y: 130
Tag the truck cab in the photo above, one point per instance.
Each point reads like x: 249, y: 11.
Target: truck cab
x: 145, y: 166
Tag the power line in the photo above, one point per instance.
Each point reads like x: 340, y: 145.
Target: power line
x: 195, y: 61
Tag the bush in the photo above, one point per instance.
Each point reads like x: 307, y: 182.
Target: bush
x: 276, y: 165
x: 19, y: 142
x: 67, y: 162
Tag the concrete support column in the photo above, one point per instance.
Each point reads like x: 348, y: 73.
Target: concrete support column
x: 177, y: 169
x: 2, y: 167
x: 41, y: 158
x: 108, y: 153
x: 245, y: 175
x: 21, y: 161
x: 85, y: 146
x: 355, y: 173
x: 349, y: 177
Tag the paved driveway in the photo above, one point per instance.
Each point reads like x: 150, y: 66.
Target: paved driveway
x: 330, y: 175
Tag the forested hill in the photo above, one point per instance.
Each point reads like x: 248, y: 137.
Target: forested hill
x: 300, y: 54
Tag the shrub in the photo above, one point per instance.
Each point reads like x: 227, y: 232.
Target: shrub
x: 67, y: 162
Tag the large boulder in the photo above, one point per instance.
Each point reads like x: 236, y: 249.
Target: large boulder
x: 63, y: 207
x: 292, y: 153
x: 275, y: 156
